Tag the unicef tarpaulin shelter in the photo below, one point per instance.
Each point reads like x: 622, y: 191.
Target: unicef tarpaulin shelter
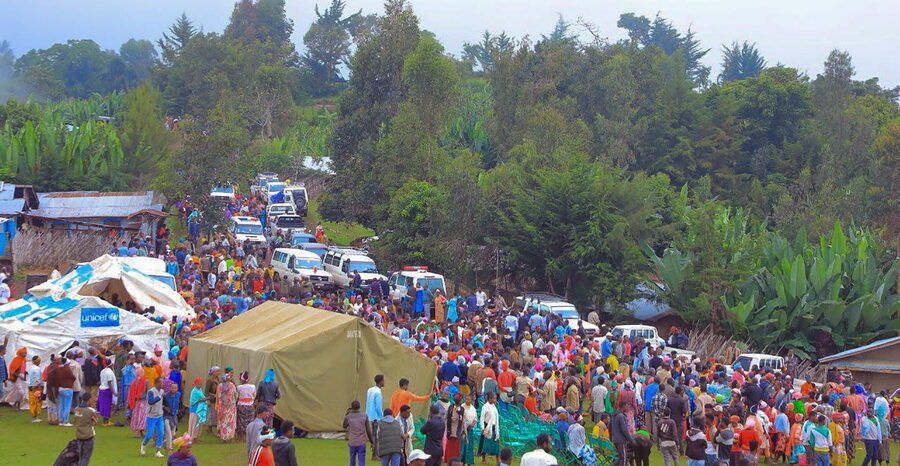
x: 49, y: 325
x: 106, y: 276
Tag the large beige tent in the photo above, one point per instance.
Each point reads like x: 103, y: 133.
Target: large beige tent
x: 323, y: 360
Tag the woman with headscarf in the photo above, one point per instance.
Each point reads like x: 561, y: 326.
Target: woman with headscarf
x: 226, y: 407
x: 197, y: 409
x: 18, y: 375
x: 837, y: 427
x: 137, y: 403
x: 182, y: 455
x: 578, y: 442
x: 490, y: 428
x: 470, y: 417
x: 795, y: 440
x: 262, y: 455
x: 455, y: 429
x: 246, y: 394
x: 627, y: 403
x: 267, y: 394
x: 440, y: 306
x: 210, y: 389
x: 884, y: 448
x: 452, y: 312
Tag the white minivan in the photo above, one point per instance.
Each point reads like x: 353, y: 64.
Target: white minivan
x: 341, y: 263
x: 290, y: 263
x: 411, y: 276
x: 647, y: 332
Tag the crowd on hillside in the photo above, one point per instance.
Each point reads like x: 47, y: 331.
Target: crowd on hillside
x: 489, y: 356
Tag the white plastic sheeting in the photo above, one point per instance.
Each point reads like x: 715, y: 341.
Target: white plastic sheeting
x: 50, y: 325
x: 105, y: 276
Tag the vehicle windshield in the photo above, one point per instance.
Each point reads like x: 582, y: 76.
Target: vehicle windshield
x: 223, y: 189
x: 363, y: 267
x: 567, y: 313
x: 745, y: 362
x: 433, y: 283
x: 276, y: 187
x: 301, y: 239
x: 618, y: 332
x: 248, y: 229
x: 307, y: 263
x: 319, y: 251
x: 165, y: 280
x: 281, y: 209
x: 289, y: 222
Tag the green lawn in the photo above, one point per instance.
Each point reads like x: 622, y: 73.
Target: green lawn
x: 24, y: 443
x: 341, y: 233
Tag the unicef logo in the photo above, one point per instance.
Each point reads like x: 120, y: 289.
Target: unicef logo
x: 99, y: 317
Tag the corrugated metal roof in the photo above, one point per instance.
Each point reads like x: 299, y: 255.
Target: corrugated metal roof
x: 70, y: 194
x: 862, y: 349
x: 11, y: 206
x: 7, y: 191
x: 890, y: 368
x: 94, y: 204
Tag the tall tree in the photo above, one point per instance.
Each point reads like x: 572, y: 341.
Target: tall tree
x: 741, y: 61
x: 139, y: 56
x: 145, y: 139
x: 638, y: 27
x: 179, y: 34
x: 371, y: 101
x: 482, y: 53
x: 561, y: 32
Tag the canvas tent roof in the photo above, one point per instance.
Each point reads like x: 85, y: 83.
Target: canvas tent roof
x: 49, y: 325
x: 323, y: 360
x: 106, y: 275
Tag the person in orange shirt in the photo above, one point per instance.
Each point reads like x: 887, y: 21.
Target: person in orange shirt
x: 506, y: 378
x: 531, y: 402
x: 807, y: 388
x: 402, y: 396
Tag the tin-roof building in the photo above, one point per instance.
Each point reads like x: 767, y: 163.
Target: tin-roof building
x: 79, y: 209
x: 877, y: 363
x: 16, y: 199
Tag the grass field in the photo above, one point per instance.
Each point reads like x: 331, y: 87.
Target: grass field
x: 341, y: 233
x: 24, y: 443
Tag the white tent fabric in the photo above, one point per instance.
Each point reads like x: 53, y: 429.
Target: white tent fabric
x: 104, y: 276
x: 49, y: 325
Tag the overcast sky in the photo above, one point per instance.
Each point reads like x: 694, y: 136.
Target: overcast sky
x: 797, y: 33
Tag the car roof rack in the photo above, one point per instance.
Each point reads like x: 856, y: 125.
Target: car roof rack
x: 350, y: 251
x: 544, y: 297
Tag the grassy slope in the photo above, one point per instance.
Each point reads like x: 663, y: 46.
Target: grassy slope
x: 342, y: 233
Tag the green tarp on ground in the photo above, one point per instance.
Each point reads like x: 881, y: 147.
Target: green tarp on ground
x: 323, y: 360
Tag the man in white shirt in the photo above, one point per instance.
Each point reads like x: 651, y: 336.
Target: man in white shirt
x: 480, y: 299
x: 598, y: 400
x: 4, y: 291
x: 540, y: 457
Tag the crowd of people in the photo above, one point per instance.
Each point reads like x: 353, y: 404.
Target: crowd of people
x: 489, y: 355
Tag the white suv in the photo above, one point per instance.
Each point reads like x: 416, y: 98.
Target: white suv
x: 545, y: 302
x: 289, y: 263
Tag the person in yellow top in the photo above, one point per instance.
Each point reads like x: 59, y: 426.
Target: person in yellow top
x: 838, y: 430
x: 613, y: 362
x: 600, y: 429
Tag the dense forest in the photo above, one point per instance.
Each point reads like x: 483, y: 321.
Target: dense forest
x: 761, y: 199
